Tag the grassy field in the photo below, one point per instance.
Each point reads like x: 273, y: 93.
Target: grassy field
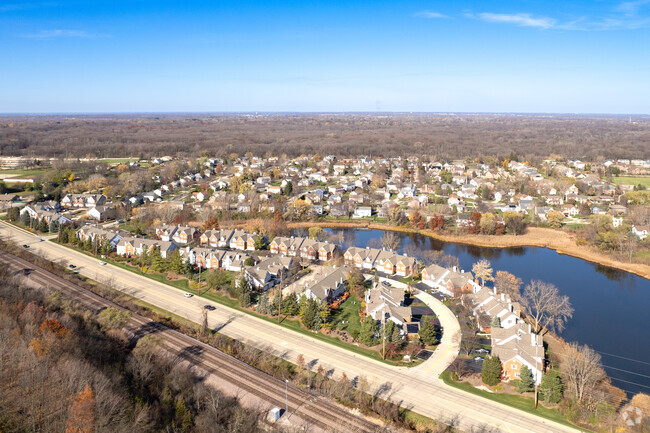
x: 348, y: 312
x: 24, y: 172
x: 117, y: 160
x: 527, y: 404
x: 631, y: 180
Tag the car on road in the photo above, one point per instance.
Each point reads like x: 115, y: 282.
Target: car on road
x: 71, y: 266
x: 188, y: 295
x: 41, y: 240
x: 25, y: 246
x: 209, y: 307
x: 478, y: 358
x: 102, y: 263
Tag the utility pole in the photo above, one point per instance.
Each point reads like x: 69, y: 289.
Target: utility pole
x: 286, y: 396
x: 280, y: 304
x: 383, y: 339
x: 199, y: 288
x: 536, y: 381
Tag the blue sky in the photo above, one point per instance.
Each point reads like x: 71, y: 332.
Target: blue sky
x: 405, y: 55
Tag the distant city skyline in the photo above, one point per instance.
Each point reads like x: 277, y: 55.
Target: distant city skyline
x: 524, y: 56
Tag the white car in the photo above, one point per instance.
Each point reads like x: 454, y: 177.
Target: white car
x: 102, y: 263
x: 188, y: 295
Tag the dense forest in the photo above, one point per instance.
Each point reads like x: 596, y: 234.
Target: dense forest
x: 64, y: 369
x: 444, y: 136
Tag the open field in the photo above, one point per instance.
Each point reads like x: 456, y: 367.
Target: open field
x: 631, y: 180
x: 23, y: 172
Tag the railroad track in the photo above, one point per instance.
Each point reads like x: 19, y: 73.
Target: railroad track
x: 307, y: 407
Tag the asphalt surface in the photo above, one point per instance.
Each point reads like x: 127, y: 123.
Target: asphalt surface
x: 418, y: 389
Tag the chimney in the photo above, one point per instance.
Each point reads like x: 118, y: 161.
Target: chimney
x: 503, y: 297
x: 455, y: 269
x: 530, y: 331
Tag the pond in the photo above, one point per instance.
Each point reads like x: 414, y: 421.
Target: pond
x: 611, y: 306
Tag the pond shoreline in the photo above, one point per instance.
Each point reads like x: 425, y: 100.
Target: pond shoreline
x: 557, y: 240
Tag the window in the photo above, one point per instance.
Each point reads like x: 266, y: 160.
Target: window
x: 514, y: 366
x: 516, y: 374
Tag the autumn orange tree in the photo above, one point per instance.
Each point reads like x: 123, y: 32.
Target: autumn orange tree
x: 82, y: 412
x: 211, y: 223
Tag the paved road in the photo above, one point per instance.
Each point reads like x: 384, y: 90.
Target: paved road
x: 417, y: 389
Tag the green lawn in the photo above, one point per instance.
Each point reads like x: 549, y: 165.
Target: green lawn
x: 527, y: 404
x: 348, y: 312
x: 23, y: 172
x: 409, y: 280
x: 117, y: 160
x: 631, y: 180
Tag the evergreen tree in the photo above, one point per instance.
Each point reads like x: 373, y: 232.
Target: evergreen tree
x: 309, y: 315
x: 551, y: 387
x: 525, y: 382
x: 157, y: 262
x: 245, y: 298
x: 264, y: 305
x: 26, y: 219
x: 396, y: 337
x: 13, y: 214
x: 368, y: 333
x: 496, y: 322
x: 491, y: 371
x: 144, y: 258
x: 324, y: 312
x: 428, y: 333
x: 63, y: 236
x: 176, y: 263
x: 106, y: 247
x: 288, y: 188
x: 290, y: 306
x: 43, y: 227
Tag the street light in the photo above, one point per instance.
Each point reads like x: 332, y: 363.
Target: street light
x: 286, y: 396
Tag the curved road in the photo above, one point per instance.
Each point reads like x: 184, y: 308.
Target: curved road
x: 417, y: 389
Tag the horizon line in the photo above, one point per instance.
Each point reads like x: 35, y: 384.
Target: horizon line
x: 261, y: 112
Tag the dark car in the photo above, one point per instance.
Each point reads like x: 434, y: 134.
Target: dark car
x: 209, y: 307
x: 72, y: 266
x: 25, y: 246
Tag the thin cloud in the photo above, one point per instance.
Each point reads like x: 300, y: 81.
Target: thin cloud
x: 60, y: 33
x: 632, y: 7
x: 23, y: 6
x: 430, y: 14
x: 521, y: 19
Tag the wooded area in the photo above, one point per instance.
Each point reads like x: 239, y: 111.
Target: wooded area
x: 438, y: 135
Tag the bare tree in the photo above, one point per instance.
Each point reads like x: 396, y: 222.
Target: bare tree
x: 468, y: 341
x: 483, y: 270
x: 390, y: 241
x: 544, y: 304
x: 509, y: 284
x: 581, y: 369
